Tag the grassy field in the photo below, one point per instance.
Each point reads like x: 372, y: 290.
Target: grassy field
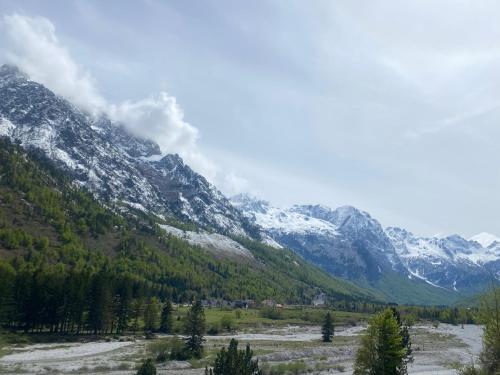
x: 253, y: 319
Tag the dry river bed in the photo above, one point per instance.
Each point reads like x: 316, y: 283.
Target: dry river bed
x: 436, y: 351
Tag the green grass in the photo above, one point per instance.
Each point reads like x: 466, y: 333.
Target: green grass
x: 253, y: 318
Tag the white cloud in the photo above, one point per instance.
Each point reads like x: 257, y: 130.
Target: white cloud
x: 35, y: 49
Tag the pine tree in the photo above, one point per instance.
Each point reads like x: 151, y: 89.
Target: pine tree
x: 136, y: 312
x: 7, y: 303
x: 167, y: 318
x: 404, y: 331
x: 233, y: 361
x: 194, y: 329
x: 123, y: 307
x: 151, y: 315
x: 327, y: 330
x: 100, y: 310
x: 382, y: 351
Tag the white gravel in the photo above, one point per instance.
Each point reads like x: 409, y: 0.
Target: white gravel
x: 43, y: 353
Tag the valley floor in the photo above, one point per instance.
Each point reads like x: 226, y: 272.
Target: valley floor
x: 436, y: 351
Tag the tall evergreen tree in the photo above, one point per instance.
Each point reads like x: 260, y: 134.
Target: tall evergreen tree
x: 404, y: 331
x: 123, y: 305
x: 382, y: 350
x: 194, y: 328
x: 167, y: 318
x: 100, y: 309
x: 234, y: 362
x: 327, y: 330
x: 151, y: 315
x: 7, y: 303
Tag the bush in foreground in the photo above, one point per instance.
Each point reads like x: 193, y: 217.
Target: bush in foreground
x: 233, y: 361
x: 147, y: 368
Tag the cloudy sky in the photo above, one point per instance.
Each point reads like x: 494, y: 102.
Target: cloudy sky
x: 391, y: 106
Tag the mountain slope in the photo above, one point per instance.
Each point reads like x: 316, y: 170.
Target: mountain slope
x: 47, y: 223
x: 108, y: 161
x: 346, y: 243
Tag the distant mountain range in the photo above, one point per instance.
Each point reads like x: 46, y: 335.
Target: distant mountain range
x: 350, y: 243
x: 131, y: 172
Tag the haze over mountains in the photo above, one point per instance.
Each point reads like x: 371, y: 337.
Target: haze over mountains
x: 346, y: 242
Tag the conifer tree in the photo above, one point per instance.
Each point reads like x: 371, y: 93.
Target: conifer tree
x: 136, y: 312
x: 167, y: 318
x: 327, y: 330
x: 194, y: 328
x: 7, y: 303
x: 382, y: 350
x: 151, y: 315
x: 233, y: 361
x: 404, y: 331
x: 100, y: 310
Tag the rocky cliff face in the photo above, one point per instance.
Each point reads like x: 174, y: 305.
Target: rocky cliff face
x: 110, y: 162
x: 348, y: 242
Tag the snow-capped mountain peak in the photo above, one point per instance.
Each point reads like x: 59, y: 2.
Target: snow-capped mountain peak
x: 283, y: 220
x: 103, y: 157
x: 452, y: 262
x: 485, y: 239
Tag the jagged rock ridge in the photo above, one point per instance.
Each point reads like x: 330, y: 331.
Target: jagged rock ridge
x: 106, y: 159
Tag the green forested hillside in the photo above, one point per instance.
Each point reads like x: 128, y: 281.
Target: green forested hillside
x: 69, y: 262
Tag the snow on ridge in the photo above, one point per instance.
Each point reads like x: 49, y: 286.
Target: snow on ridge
x: 210, y: 241
x: 6, y: 127
x: 447, y: 248
x: 485, y: 239
x: 287, y: 221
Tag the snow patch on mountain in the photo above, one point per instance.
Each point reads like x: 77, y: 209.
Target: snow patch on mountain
x: 451, y: 262
x: 284, y: 220
x: 6, y: 127
x: 485, y: 239
x: 213, y: 242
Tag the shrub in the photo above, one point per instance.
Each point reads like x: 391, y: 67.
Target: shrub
x: 165, y: 349
x: 232, y: 361
x: 226, y: 322
x: 160, y: 349
x: 147, y: 368
x: 271, y: 313
x: 295, y: 368
x: 238, y: 314
x: 214, y: 329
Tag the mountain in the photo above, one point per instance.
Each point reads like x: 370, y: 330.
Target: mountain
x: 107, y: 200
x: 450, y: 262
x: 104, y: 158
x: 131, y: 176
x: 349, y: 243
x: 52, y: 228
x: 346, y: 242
